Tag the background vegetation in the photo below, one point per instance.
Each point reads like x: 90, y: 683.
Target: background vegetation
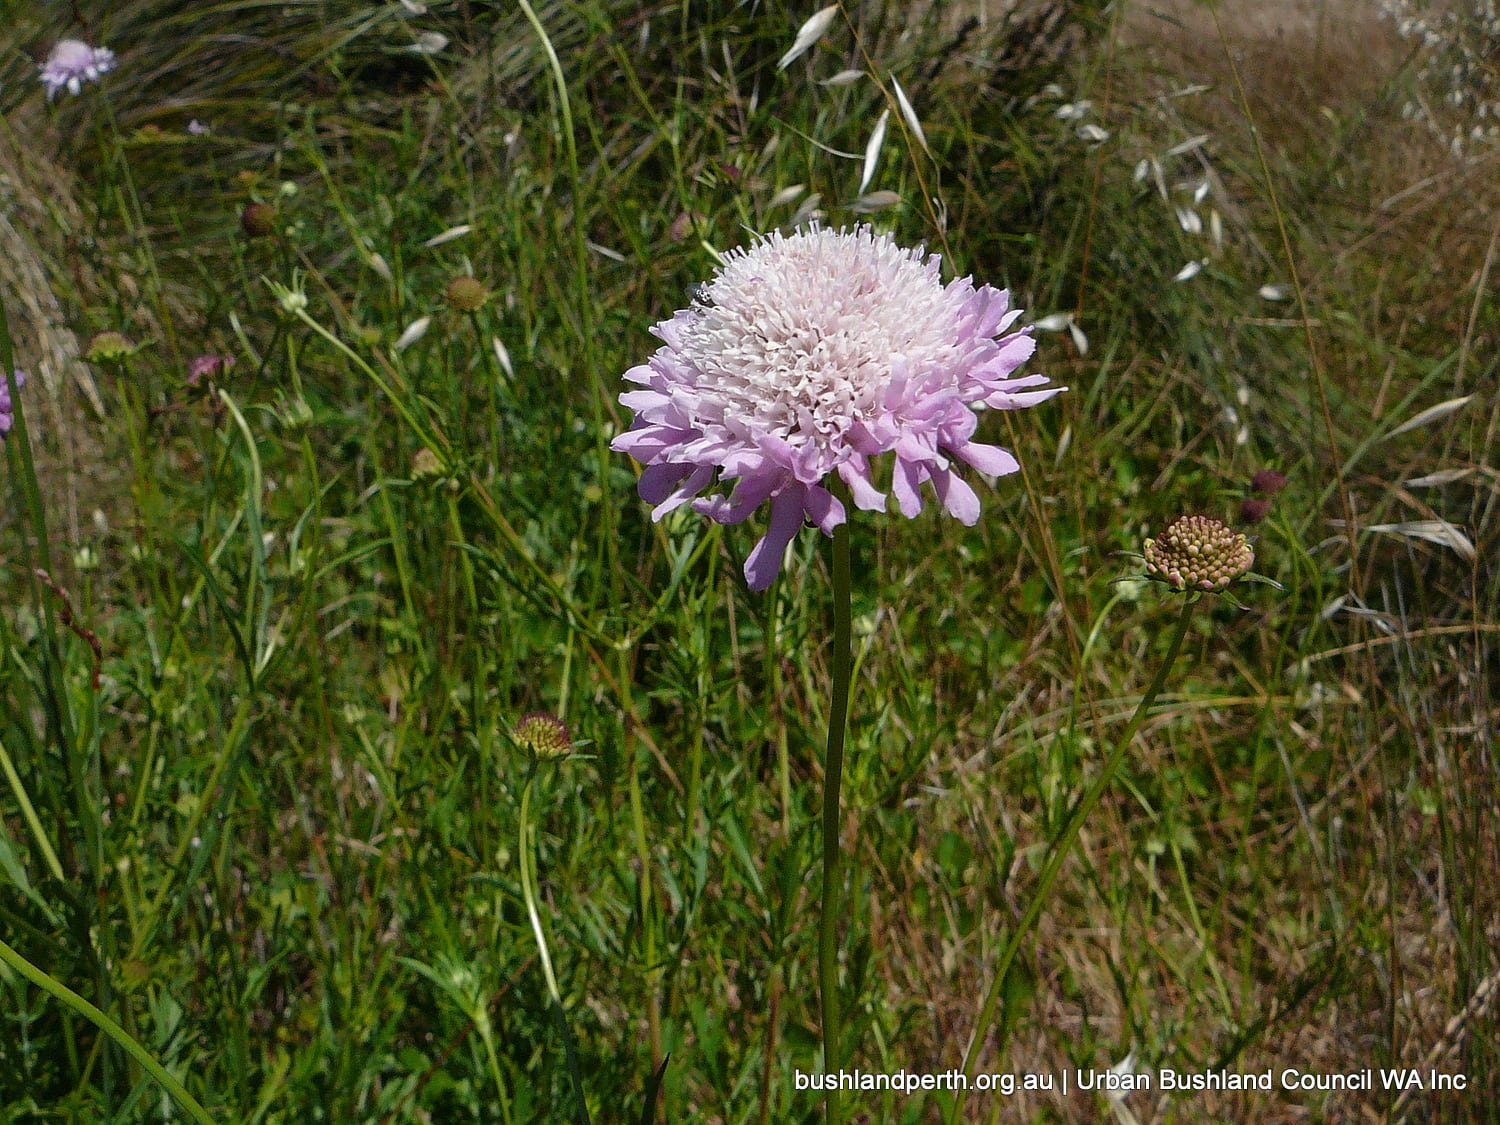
x: 270, y: 824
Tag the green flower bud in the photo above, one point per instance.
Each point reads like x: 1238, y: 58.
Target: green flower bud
x: 110, y: 347
x: 543, y: 736
x: 467, y: 294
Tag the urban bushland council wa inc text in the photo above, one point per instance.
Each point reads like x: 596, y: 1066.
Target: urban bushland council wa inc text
x: 1288, y: 1079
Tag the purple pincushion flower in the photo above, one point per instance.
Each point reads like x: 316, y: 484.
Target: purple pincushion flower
x: 72, y: 63
x: 209, y: 366
x: 7, y: 408
x: 811, y: 354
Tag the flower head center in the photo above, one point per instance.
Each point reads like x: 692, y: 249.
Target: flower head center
x: 801, y: 337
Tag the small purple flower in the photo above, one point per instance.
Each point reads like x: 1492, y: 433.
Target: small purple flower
x: 7, y: 408
x: 811, y: 354
x: 196, y: 128
x: 208, y: 366
x: 72, y: 63
x: 1268, y: 481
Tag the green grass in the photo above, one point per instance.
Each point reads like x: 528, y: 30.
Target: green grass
x: 279, y: 842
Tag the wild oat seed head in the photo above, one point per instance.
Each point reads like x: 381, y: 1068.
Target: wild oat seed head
x: 1198, y: 553
x: 809, y: 354
x: 72, y: 63
x: 109, y: 347
x: 258, y: 220
x: 543, y: 735
x: 7, y: 407
x: 467, y: 294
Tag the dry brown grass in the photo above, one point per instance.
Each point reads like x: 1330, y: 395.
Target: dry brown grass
x: 1394, y: 234
x: 41, y: 227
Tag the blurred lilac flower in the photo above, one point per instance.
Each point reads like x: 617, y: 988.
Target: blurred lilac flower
x: 72, y: 63
x: 196, y: 128
x: 7, y: 408
x: 208, y: 366
x: 810, y: 354
x: 1268, y: 481
x: 1255, y: 509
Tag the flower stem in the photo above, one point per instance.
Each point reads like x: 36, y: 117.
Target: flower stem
x: 71, y: 999
x: 529, y: 893
x: 833, y: 771
x: 1058, y: 853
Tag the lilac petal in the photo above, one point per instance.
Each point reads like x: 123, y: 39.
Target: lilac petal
x: 642, y: 401
x: 958, y: 427
x: 748, y: 495
x: 764, y: 563
x: 1011, y: 353
x: 916, y: 447
x: 1004, y: 401
x: 989, y: 308
x: 660, y: 481
x: 649, y: 442
x: 824, y: 509
x: 695, y: 483
x: 1012, y: 385
x: 867, y: 498
x: 988, y: 459
x: 961, y: 501
x: 905, y: 480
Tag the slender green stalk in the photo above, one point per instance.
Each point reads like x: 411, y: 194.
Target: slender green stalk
x: 529, y: 893
x: 833, y: 772
x: 646, y: 893
x: 43, y: 844
x: 1058, y: 853
x: 78, y: 1004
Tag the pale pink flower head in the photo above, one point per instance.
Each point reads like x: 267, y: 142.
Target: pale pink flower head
x: 7, y: 407
x: 72, y: 63
x: 208, y: 366
x: 814, y: 353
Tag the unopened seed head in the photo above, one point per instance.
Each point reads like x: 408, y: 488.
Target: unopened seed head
x: 1198, y: 553
x: 544, y: 736
x: 467, y: 294
x: 109, y: 347
x: 258, y: 220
